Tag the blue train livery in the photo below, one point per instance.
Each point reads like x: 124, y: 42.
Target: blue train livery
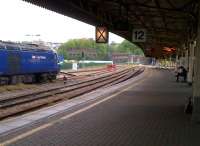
x: 27, y: 63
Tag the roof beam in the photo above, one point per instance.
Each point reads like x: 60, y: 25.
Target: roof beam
x: 180, y: 11
x: 161, y: 13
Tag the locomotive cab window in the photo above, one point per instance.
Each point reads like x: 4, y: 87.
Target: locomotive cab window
x: 12, y: 48
x: 2, y: 47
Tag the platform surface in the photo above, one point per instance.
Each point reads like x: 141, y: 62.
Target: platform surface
x: 150, y: 113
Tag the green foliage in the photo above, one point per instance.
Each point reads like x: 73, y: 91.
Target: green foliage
x: 130, y: 48
x: 103, y: 50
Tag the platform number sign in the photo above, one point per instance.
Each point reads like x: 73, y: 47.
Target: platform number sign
x: 139, y: 35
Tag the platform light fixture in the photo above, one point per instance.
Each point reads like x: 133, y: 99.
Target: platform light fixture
x: 101, y: 34
x: 169, y: 50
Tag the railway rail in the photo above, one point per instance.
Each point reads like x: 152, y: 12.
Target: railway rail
x: 89, y: 72
x: 83, y: 73
x: 17, y: 104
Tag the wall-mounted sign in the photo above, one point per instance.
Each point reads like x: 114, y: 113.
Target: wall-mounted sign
x: 139, y: 35
x: 101, y: 34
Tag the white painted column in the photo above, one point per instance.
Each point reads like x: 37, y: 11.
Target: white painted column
x: 183, y: 58
x: 186, y: 60
x: 177, y: 61
x: 191, y: 63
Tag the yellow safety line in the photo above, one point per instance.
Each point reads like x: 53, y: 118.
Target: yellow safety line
x: 31, y: 132
x: 25, y: 134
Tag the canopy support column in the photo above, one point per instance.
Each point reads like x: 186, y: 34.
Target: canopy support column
x: 196, y: 83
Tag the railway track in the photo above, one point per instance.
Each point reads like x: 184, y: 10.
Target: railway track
x: 81, y: 75
x: 86, y: 73
x: 16, y: 104
x: 68, y: 74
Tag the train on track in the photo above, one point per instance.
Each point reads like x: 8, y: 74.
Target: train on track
x: 27, y: 63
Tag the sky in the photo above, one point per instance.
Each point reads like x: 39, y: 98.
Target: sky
x: 19, y: 19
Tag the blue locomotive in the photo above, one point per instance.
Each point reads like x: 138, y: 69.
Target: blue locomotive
x: 27, y: 63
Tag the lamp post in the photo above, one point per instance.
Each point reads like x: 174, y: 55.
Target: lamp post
x: 83, y: 57
x: 32, y: 36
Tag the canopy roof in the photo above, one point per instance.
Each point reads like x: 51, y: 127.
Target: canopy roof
x: 169, y: 23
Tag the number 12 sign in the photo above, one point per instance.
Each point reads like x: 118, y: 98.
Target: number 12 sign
x: 139, y: 35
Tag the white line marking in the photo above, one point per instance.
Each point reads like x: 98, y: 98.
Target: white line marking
x: 25, y: 134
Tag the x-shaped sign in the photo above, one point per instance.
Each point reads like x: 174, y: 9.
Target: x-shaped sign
x: 101, y: 35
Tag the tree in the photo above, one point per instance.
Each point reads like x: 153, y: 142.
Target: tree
x: 103, y: 50
x: 130, y: 48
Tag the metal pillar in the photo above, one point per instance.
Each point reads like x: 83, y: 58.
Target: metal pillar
x: 178, y: 56
x: 186, y: 58
x: 196, y: 82
x: 191, y: 63
x: 183, y: 59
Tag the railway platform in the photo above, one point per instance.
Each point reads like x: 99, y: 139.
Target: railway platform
x: 148, y: 112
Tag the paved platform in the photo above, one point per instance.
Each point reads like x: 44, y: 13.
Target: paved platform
x: 148, y: 113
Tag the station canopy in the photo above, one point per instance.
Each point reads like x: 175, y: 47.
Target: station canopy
x: 168, y: 23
